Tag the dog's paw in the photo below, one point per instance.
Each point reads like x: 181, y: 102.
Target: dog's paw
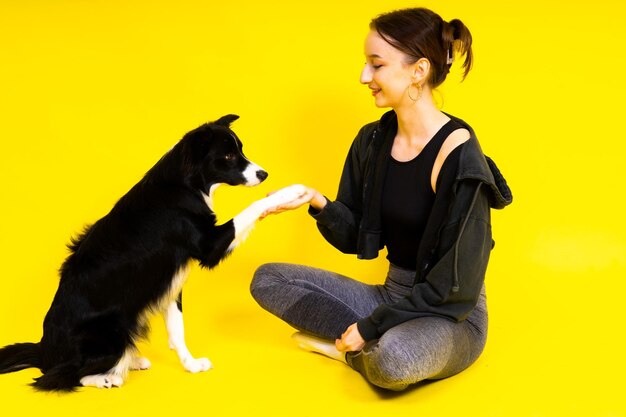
x: 102, y: 381
x: 194, y: 365
x: 286, y: 195
x: 140, y: 363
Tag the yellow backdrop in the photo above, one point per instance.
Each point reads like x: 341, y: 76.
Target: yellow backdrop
x: 92, y: 93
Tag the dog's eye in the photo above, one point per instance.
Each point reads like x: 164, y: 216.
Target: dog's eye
x: 229, y: 156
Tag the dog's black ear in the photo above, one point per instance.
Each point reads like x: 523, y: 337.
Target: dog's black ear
x: 226, y: 120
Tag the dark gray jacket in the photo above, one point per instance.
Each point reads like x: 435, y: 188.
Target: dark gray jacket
x: 454, y: 251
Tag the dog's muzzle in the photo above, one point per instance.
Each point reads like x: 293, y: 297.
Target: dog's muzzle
x: 254, y: 174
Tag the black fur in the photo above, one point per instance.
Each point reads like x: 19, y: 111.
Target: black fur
x: 123, y: 265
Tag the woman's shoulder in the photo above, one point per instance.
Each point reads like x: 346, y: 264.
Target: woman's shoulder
x: 464, y: 136
x: 455, y: 139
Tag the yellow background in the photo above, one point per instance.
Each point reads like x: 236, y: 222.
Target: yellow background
x: 92, y: 93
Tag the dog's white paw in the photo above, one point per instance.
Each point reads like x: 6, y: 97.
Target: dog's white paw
x: 102, y: 381
x: 194, y: 365
x: 286, y: 195
x: 140, y: 363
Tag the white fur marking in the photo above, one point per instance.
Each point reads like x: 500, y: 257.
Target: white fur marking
x: 250, y: 174
x: 208, y: 199
x: 178, y: 280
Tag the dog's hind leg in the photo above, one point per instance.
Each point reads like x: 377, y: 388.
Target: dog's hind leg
x: 115, y: 376
x: 106, y: 349
x: 176, y: 332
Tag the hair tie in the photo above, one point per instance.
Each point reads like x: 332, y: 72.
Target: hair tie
x: 450, y: 54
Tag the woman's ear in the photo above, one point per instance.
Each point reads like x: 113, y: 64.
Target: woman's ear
x: 421, y: 70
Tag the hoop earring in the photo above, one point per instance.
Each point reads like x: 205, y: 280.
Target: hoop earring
x: 419, y: 91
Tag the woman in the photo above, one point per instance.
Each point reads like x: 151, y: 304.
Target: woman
x: 417, y: 182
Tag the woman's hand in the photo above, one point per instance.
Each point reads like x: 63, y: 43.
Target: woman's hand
x: 311, y: 196
x: 351, y: 340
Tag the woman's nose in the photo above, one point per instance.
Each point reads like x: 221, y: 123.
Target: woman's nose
x: 366, y: 75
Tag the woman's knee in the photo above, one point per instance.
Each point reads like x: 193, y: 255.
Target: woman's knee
x: 386, y: 365
x: 265, y: 276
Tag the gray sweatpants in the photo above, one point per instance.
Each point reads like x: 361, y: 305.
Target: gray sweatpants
x: 324, y: 304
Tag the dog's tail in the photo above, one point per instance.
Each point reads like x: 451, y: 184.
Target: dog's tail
x: 20, y: 356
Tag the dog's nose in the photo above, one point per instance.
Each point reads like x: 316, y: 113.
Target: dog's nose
x: 261, y: 175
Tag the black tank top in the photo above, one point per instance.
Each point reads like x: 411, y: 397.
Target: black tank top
x: 408, y: 198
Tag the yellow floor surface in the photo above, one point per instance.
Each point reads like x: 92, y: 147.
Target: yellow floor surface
x: 535, y: 364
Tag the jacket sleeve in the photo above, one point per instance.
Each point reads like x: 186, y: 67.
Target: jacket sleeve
x: 451, y: 286
x: 339, y: 220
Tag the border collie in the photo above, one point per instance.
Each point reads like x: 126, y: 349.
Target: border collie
x: 134, y: 262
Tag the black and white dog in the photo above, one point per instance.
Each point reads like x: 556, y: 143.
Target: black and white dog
x: 134, y: 262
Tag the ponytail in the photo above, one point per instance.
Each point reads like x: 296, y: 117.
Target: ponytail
x: 458, y: 41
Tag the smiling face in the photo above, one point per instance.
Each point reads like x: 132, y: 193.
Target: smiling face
x: 387, y: 72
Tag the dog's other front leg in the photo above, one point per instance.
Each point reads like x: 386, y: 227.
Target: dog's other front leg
x: 176, y: 333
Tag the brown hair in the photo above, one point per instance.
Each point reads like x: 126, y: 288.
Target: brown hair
x: 422, y: 33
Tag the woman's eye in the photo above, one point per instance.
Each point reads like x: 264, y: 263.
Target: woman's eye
x: 376, y: 66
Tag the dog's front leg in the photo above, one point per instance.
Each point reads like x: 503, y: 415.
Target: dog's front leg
x: 176, y: 332
x: 244, y: 221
